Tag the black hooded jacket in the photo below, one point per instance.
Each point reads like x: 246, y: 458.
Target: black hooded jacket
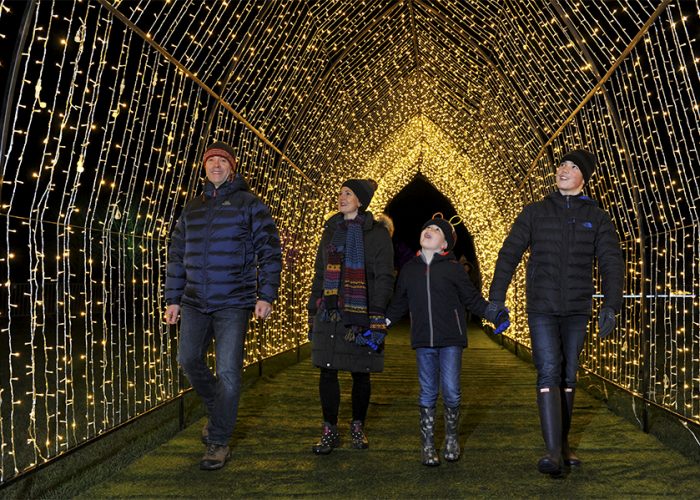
x: 564, y: 235
x: 435, y: 294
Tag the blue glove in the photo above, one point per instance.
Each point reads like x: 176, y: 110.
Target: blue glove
x: 606, y: 321
x: 373, y: 339
x: 502, y: 322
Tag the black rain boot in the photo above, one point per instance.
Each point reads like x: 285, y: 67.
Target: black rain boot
x: 330, y: 438
x: 451, y: 451
x: 549, y: 404
x: 567, y: 410
x: 429, y: 455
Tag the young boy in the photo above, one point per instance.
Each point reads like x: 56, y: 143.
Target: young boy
x: 435, y: 289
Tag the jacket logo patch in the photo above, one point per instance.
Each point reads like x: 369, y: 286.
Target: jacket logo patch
x: 587, y: 225
x: 226, y: 202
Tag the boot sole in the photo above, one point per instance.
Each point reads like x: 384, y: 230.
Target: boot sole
x: 215, y: 466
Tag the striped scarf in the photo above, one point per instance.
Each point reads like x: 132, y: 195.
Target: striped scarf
x: 346, y: 260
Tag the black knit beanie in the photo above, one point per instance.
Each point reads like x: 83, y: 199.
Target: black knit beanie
x: 220, y: 148
x: 363, y: 189
x: 584, y: 160
x: 447, y: 229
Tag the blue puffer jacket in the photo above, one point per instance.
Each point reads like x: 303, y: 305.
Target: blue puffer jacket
x: 225, y: 251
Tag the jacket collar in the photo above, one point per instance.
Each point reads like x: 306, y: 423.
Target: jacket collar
x: 574, y: 201
x: 238, y: 183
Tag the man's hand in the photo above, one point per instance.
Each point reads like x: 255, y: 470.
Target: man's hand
x: 172, y: 314
x: 262, y: 309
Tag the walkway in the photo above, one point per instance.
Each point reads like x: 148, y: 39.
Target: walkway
x: 279, y: 421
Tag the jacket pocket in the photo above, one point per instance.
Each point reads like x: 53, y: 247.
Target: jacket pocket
x: 459, y: 323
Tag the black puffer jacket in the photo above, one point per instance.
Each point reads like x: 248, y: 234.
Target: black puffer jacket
x: 330, y: 349
x: 435, y: 294
x: 225, y: 251
x: 564, y: 234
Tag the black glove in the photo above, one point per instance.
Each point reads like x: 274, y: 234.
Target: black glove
x: 606, y: 321
x: 493, y: 309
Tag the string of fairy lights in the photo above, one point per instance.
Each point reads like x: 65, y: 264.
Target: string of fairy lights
x: 105, y: 135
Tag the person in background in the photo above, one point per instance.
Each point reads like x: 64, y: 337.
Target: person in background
x: 436, y: 290
x: 224, y: 261
x: 352, y: 284
x: 565, y: 232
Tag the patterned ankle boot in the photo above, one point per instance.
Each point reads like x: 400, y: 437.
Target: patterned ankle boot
x: 452, y: 450
x: 357, y: 433
x: 330, y: 438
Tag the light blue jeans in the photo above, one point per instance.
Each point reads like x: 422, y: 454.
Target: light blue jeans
x: 439, y: 367
x: 220, y: 394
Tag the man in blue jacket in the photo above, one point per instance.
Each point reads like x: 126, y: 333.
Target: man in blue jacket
x: 224, y: 262
x: 565, y: 232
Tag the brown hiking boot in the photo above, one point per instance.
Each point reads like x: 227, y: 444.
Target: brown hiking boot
x: 215, y: 457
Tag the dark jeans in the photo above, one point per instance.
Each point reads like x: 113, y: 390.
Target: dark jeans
x: 557, y: 342
x: 439, y: 368
x: 221, y: 393
x: 329, y: 391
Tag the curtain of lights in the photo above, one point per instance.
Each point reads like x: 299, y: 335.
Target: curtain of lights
x: 110, y: 104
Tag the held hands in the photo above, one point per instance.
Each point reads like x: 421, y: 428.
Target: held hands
x: 371, y: 338
x: 498, y: 314
x: 374, y: 336
x: 606, y: 321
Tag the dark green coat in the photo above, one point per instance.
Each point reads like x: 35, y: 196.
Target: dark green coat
x: 329, y: 347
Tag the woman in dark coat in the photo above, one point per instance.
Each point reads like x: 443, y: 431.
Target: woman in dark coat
x: 353, y: 282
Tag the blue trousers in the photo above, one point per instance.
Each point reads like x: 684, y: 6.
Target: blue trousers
x: 439, y: 367
x: 220, y: 394
x: 557, y: 342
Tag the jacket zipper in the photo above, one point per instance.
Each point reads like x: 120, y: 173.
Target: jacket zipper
x: 459, y: 325
x: 430, y: 307
x: 565, y: 253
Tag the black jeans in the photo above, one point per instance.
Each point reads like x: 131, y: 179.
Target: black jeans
x: 557, y: 342
x: 329, y: 390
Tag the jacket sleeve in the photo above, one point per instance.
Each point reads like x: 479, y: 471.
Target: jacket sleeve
x: 611, y: 263
x: 515, y: 244
x: 383, y: 272
x: 266, y: 242
x: 175, y: 277
x: 317, y: 281
x: 398, y: 307
x: 469, y: 296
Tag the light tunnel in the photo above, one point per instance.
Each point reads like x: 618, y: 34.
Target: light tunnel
x: 109, y: 104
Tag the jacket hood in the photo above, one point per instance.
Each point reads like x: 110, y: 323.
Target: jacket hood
x: 238, y: 183
x: 580, y: 198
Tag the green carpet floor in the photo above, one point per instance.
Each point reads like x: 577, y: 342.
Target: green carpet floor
x: 280, y: 419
